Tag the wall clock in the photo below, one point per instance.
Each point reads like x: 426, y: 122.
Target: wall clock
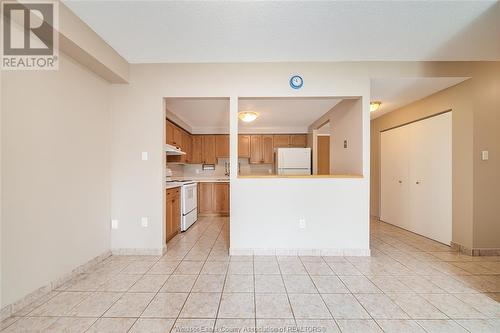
x: 296, y: 82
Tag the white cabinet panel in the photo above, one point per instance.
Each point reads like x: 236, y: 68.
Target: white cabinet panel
x: 416, y: 178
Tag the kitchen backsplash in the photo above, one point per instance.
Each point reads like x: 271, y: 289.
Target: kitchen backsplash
x: 196, y: 171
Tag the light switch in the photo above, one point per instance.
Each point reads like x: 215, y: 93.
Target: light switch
x: 484, y: 155
x: 302, y: 223
x: 144, y: 156
x: 144, y: 222
x: 114, y: 224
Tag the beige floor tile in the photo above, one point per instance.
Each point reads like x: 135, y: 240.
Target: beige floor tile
x: 7, y: 322
x: 316, y: 325
x: 164, y: 267
x: 234, y: 325
x: 453, y: 307
x: 215, y: 267
x: 267, y: 284
x: 193, y: 325
x: 112, y: 325
x: 398, y: 326
x: 30, y: 324
x: 165, y: 305
x: 30, y: 307
x: 380, y: 306
x: 71, y: 325
x: 344, y: 306
x: 201, y: 305
x: 343, y: 268
x: 239, y: 283
x: 482, y: 303
x: 292, y: 267
x: 179, y: 283
x: 266, y: 267
x: 240, y: 267
x: 359, y: 284
x: 237, y: 305
x: 60, y: 304
x: 420, y: 284
x: 299, y: 284
x: 329, y: 285
x: 481, y: 325
x: 441, y: 326
x: 146, y: 325
x: 308, y: 306
x: 130, y: 305
x: 275, y: 325
x: 318, y: 268
x: 189, y: 268
x: 138, y: 267
x: 272, y: 306
x: 149, y: 283
x: 95, y: 304
x: 120, y: 283
x: 417, y: 307
x: 358, y: 325
x: 390, y: 284
x: 209, y: 283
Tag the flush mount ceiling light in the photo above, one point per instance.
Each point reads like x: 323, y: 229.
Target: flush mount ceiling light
x: 374, y: 105
x: 247, y: 116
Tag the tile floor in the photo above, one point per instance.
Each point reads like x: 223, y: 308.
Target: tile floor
x: 409, y: 284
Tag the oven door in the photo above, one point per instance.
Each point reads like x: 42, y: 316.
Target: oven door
x: 189, y: 197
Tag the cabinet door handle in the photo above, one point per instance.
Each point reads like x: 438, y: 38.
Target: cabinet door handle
x: 417, y: 182
x: 400, y: 181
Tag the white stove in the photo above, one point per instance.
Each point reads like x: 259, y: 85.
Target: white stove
x: 189, y: 202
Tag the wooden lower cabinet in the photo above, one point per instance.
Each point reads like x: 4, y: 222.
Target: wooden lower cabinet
x: 173, y: 216
x: 213, y: 199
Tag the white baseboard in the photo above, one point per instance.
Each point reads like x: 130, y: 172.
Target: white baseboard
x: 11, y: 309
x: 301, y: 252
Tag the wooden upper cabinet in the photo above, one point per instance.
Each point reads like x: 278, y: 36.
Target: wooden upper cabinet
x: 177, y: 137
x: 186, y: 147
x: 197, y: 149
x: 208, y: 150
x: 221, y: 198
x: 169, y: 132
x: 244, y: 146
x: 222, y: 146
x: 256, y: 149
x: 298, y: 140
x: 281, y: 141
x: 267, y: 149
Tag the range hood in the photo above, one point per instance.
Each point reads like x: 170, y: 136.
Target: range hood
x: 172, y: 150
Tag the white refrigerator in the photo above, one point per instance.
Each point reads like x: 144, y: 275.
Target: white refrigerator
x: 293, y: 161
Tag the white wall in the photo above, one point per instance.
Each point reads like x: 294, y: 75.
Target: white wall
x: 339, y: 206
x: 55, y: 174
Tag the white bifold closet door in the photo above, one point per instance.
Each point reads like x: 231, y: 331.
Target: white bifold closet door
x: 416, y: 177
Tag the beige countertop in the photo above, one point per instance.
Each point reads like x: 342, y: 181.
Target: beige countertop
x: 304, y: 176
x: 170, y: 185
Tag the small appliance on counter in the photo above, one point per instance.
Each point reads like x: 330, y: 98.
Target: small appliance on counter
x: 293, y: 161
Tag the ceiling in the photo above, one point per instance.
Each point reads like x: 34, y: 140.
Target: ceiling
x: 398, y: 92
x: 276, y: 115
x: 284, y: 115
x: 261, y: 31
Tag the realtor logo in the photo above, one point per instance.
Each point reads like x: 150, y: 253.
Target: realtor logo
x: 29, y: 35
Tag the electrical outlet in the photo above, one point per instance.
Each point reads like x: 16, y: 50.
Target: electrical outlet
x: 302, y: 223
x: 114, y: 224
x: 484, y: 155
x: 144, y: 222
x: 144, y: 156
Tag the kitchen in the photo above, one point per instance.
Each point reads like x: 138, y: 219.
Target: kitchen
x: 277, y: 138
